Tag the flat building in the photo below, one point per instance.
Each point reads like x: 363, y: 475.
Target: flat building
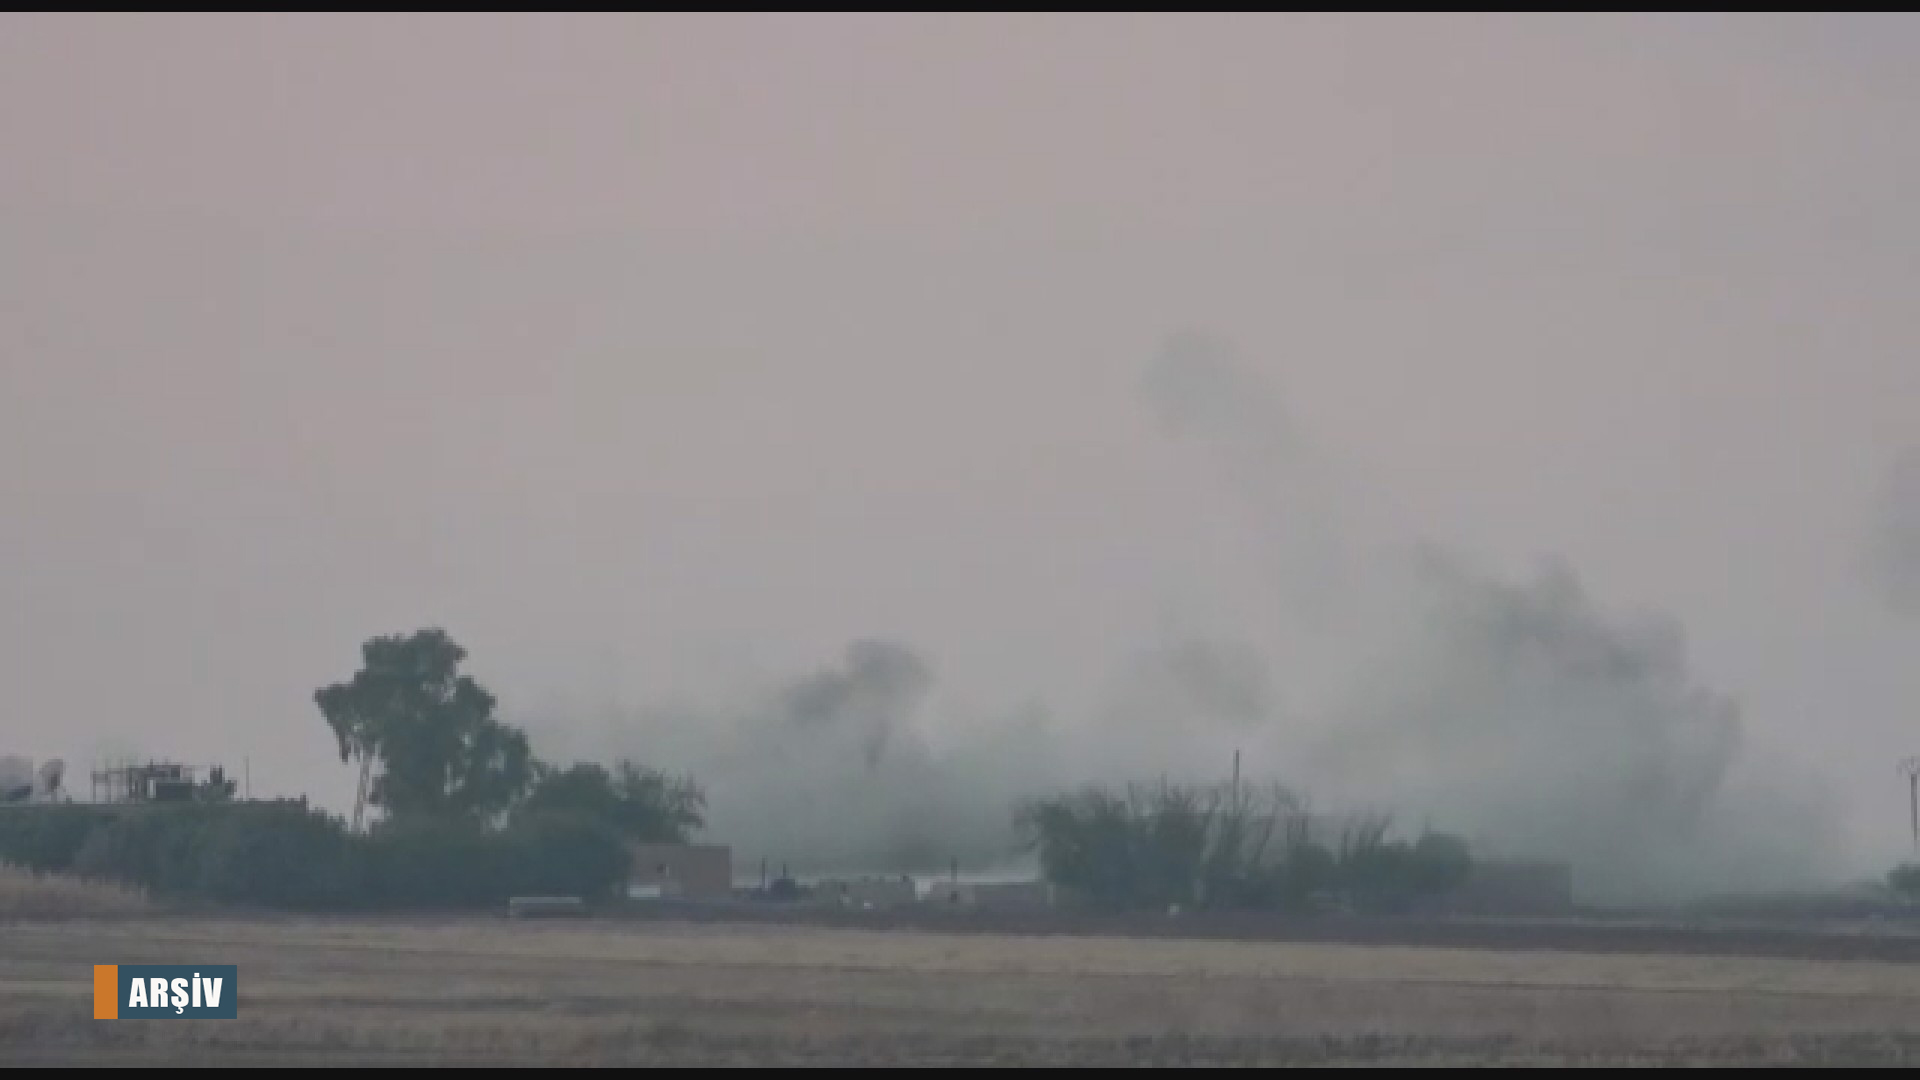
x: 685, y: 871
x: 1514, y: 889
x: 870, y: 893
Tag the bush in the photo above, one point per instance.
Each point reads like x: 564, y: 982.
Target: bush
x: 283, y: 855
x: 451, y: 863
x: 1157, y: 848
x: 1216, y: 848
x: 1439, y: 863
x: 155, y: 848
x: 432, y: 863
x: 282, y: 858
x: 45, y: 839
x: 555, y: 854
x: 286, y: 856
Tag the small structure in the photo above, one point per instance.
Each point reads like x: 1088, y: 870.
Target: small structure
x: 160, y: 782
x: 20, y: 782
x: 1496, y: 889
x: 991, y: 895
x: 1012, y: 895
x: 681, y: 871
x: 867, y: 894
x: 546, y: 907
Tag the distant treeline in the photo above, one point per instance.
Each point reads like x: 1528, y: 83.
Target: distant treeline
x: 467, y: 816
x: 284, y: 855
x: 1221, y: 848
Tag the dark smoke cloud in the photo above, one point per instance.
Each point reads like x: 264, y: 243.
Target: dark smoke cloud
x: 834, y: 771
x: 880, y: 684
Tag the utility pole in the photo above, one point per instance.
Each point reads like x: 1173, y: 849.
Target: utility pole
x: 1910, y: 768
x: 1233, y: 791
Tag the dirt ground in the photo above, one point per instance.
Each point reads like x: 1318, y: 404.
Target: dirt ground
x: 487, y: 990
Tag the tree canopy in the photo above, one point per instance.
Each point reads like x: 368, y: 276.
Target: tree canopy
x: 1147, y: 848
x: 1904, y: 880
x: 642, y: 804
x: 430, y: 730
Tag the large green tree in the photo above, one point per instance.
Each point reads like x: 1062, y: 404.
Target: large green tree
x: 430, y: 730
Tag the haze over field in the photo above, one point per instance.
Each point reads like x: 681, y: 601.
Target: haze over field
x: 1503, y: 420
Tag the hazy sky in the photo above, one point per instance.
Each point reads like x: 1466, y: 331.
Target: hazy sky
x: 636, y: 350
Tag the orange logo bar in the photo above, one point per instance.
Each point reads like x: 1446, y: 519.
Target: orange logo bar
x: 106, y: 991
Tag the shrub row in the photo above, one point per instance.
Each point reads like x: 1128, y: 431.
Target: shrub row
x: 284, y: 855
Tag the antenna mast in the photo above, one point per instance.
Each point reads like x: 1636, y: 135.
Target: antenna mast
x: 1910, y: 769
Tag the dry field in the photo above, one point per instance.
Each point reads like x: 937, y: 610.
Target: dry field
x: 26, y: 895
x: 474, y: 991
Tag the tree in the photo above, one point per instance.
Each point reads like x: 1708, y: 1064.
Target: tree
x: 659, y: 807
x: 1904, y: 880
x: 641, y: 804
x: 564, y: 854
x: 431, y: 729
x: 344, y: 704
x: 1439, y: 863
x: 1219, y: 848
x: 1086, y: 843
x: 274, y: 855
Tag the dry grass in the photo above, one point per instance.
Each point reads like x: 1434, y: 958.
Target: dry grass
x: 477, y: 990
x: 26, y: 895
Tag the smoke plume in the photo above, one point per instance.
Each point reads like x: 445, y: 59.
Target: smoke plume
x: 1518, y: 712
x: 833, y: 770
x: 1893, y: 547
x: 1394, y: 676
